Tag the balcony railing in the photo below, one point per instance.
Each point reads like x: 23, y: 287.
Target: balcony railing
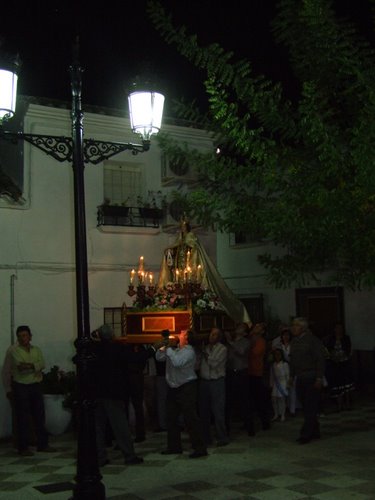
x: 115, y: 215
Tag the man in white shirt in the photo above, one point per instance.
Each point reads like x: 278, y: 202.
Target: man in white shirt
x: 182, y: 394
x: 212, y: 387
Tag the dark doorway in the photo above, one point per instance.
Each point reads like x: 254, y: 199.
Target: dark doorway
x: 322, y: 307
x: 254, y: 306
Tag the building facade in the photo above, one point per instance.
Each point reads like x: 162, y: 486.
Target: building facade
x: 37, y: 256
x: 37, y: 268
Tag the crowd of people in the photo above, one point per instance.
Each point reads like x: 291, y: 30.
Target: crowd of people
x: 202, y: 386
x: 242, y: 376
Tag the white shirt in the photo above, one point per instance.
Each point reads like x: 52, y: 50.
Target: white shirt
x: 279, y: 377
x: 286, y: 350
x: 180, y: 364
x: 276, y: 342
x: 213, y: 362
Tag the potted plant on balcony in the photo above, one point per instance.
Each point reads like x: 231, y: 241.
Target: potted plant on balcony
x: 59, y: 388
x: 149, y: 209
x: 114, y: 210
x: 113, y: 214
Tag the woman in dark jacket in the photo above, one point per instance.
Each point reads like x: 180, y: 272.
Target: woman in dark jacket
x: 339, y: 372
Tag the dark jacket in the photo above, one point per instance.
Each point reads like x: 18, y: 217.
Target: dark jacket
x: 307, y: 357
x: 346, y: 344
x: 112, y: 368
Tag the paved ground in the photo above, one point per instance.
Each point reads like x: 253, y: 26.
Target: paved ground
x: 271, y: 465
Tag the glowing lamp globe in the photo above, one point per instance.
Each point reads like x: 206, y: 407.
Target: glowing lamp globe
x: 8, y: 93
x: 145, y: 111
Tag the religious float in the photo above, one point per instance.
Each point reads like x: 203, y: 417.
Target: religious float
x: 189, y: 294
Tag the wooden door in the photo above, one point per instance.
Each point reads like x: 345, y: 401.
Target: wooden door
x: 322, y: 307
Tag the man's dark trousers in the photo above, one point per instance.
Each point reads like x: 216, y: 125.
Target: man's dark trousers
x: 183, y: 400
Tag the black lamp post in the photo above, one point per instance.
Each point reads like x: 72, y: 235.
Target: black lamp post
x: 145, y: 110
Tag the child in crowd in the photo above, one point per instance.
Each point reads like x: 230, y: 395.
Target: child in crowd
x: 279, y: 377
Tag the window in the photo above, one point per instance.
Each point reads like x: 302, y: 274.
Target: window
x: 254, y: 306
x: 112, y: 316
x: 244, y: 239
x: 122, y: 183
x: 13, y: 175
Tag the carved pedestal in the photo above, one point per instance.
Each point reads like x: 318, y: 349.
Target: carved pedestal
x: 145, y: 327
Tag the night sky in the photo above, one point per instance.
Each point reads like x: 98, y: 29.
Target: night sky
x: 117, y: 41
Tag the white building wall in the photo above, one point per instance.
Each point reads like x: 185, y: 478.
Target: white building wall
x: 243, y: 273
x: 37, y: 240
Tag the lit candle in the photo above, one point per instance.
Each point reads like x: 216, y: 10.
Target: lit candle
x: 132, y: 274
x: 177, y: 275
x: 188, y: 258
x: 151, y: 278
x: 141, y: 263
x: 199, y: 270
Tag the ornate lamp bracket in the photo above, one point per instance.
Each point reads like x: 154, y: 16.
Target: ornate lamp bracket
x: 97, y: 151
x: 61, y: 147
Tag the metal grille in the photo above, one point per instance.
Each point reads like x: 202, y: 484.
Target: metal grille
x: 122, y: 183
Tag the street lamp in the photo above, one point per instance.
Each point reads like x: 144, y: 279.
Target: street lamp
x: 145, y: 108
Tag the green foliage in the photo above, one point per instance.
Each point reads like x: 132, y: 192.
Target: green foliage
x: 301, y: 171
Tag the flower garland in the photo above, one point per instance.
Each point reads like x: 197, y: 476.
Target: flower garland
x: 172, y: 297
x: 208, y: 302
